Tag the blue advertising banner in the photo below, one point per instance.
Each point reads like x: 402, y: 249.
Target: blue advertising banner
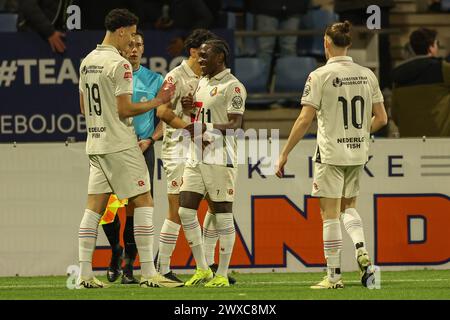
x: 39, y: 98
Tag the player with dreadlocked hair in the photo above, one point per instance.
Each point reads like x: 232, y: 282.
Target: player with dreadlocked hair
x: 219, y: 104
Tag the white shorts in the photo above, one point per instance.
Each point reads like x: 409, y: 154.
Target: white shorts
x: 336, y: 181
x: 218, y: 181
x: 123, y: 173
x: 174, y: 174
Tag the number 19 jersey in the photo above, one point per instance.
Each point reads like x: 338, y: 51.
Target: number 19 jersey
x: 104, y: 75
x: 343, y: 93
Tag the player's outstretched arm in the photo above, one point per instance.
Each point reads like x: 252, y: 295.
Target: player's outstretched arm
x: 298, y: 131
x: 126, y: 108
x: 379, y: 118
x: 166, y: 114
x: 234, y: 123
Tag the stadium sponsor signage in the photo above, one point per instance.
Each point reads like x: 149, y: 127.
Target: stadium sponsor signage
x: 39, y: 89
x: 404, y: 202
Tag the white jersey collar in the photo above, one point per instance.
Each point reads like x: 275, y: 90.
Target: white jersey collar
x: 188, y: 69
x: 222, y: 74
x: 339, y: 58
x: 107, y: 48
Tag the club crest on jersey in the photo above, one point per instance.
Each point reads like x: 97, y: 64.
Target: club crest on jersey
x: 237, y: 90
x: 126, y: 66
x: 237, y: 102
x: 337, y: 82
x: 213, y: 92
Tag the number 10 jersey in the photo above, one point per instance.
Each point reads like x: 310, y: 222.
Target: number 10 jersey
x: 343, y: 93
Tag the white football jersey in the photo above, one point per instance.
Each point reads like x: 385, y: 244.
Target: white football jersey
x: 215, y: 99
x: 343, y: 93
x: 186, y: 81
x: 104, y: 75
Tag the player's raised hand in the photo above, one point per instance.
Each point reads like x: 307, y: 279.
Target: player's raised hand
x: 279, y: 169
x: 187, y: 102
x: 166, y: 92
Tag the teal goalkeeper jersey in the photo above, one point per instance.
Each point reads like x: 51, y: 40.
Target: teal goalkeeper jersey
x: 146, y: 85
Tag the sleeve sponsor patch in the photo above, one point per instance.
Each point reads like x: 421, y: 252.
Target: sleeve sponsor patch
x: 237, y: 102
x: 128, y: 75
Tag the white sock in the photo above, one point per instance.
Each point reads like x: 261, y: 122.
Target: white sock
x: 227, y: 235
x: 191, y: 228
x: 332, y: 242
x: 87, y: 238
x: 210, y: 237
x: 167, y: 241
x: 354, y: 227
x: 143, y: 235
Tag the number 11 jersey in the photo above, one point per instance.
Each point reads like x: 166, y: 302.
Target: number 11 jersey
x: 343, y: 93
x: 104, y: 75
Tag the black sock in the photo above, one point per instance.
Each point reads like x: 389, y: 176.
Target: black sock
x: 112, y: 231
x: 130, y: 244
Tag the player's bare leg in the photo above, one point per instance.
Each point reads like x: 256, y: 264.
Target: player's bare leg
x: 225, y: 228
x: 87, y: 238
x: 332, y: 241
x: 354, y: 227
x: 189, y: 203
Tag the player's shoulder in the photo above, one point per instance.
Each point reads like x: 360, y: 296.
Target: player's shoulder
x: 231, y: 80
x: 234, y: 85
x: 321, y: 71
x: 175, y: 74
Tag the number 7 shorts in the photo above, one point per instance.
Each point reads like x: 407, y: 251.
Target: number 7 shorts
x: 124, y: 173
x: 218, y: 181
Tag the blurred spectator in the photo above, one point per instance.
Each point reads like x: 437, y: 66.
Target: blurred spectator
x: 435, y: 6
x: 10, y: 5
x: 188, y: 15
x: 277, y: 15
x: 93, y: 13
x: 421, y: 91
x: 46, y: 17
x: 355, y: 12
x: 148, y: 12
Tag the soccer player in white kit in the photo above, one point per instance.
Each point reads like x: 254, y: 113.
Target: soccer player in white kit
x: 349, y: 106
x: 185, y: 77
x: 116, y: 161
x: 220, y: 104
